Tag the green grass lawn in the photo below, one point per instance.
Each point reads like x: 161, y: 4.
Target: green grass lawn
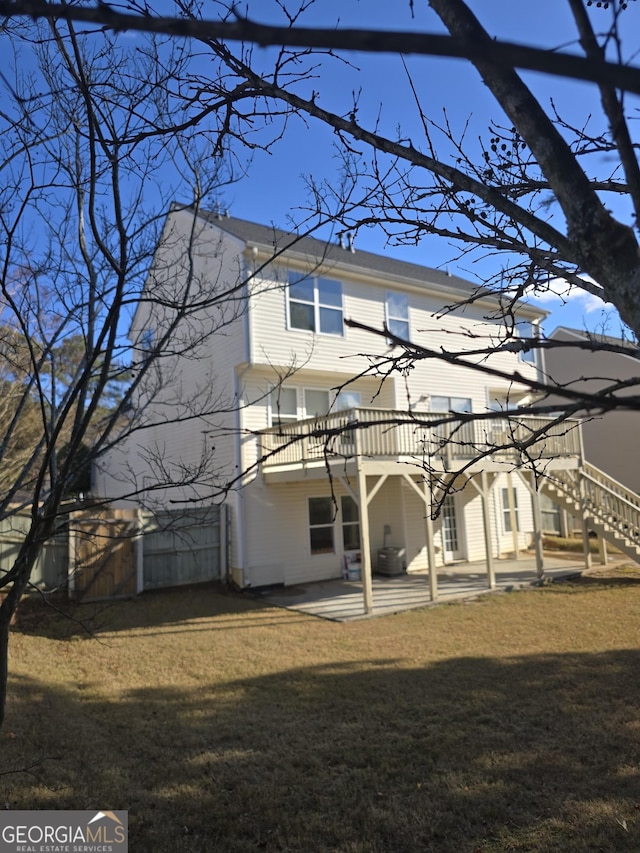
x: 508, y: 724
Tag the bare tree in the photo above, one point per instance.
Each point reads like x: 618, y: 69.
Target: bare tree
x: 534, y: 191
x: 96, y: 148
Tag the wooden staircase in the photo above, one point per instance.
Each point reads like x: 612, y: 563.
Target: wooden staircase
x: 606, y: 506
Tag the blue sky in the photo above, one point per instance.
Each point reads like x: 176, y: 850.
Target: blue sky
x: 274, y: 189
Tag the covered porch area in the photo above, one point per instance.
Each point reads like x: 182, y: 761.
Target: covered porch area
x: 368, y: 454
x: 343, y: 601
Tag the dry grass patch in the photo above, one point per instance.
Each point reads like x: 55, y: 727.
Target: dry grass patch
x: 509, y: 724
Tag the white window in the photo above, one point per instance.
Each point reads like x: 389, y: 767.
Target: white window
x: 350, y: 523
x: 397, y: 311
x: 450, y: 404
x: 292, y: 404
x: 347, y: 400
x: 530, y: 331
x: 506, y: 512
x: 321, y: 539
x: 314, y: 304
x: 316, y: 403
x: 461, y: 434
x: 284, y: 406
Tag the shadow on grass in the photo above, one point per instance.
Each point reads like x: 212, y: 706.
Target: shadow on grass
x: 606, y: 580
x: 163, y: 609
x: 536, y: 753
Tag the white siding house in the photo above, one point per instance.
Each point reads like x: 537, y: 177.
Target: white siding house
x: 287, y: 370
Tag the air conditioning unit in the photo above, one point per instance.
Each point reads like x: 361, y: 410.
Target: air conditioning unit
x: 390, y: 561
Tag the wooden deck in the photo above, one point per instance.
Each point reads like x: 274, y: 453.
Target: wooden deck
x: 433, y: 440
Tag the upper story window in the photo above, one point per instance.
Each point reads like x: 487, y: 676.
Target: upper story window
x: 290, y: 404
x: 460, y: 432
x: 284, y: 406
x: 397, y: 314
x: 316, y: 403
x: 347, y: 400
x: 528, y: 330
x: 314, y: 304
x: 450, y: 404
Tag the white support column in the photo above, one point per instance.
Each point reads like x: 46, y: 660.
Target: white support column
x: 513, y: 518
x: 431, y: 551
x: 531, y: 484
x: 486, y: 519
x: 425, y: 495
x: 537, y: 527
x: 365, y: 545
x: 603, y: 550
x: 584, y: 525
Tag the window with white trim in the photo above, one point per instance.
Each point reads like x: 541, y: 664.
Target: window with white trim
x: 316, y: 403
x: 284, y: 406
x: 292, y: 404
x: 449, y: 404
x: 397, y: 314
x: 321, y: 534
x: 506, y: 511
x: 314, y: 304
x: 530, y: 331
x: 347, y: 400
x: 350, y: 523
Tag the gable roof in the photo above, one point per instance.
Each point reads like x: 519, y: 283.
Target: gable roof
x: 303, y: 247
x: 594, y: 337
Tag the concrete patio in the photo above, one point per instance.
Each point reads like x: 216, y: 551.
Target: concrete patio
x: 342, y: 601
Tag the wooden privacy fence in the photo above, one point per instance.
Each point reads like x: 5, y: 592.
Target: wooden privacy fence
x: 114, y: 553
x: 103, y: 560
x: 118, y: 553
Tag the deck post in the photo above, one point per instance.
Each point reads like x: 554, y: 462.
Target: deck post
x: 365, y: 545
x: 486, y: 520
x: 602, y: 542
x: 367, y: 588
x: 584, y: 523
x: 431, y: 551
x: 513, y: 517
x: 537, y: 527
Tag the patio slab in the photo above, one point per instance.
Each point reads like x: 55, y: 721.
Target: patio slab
x: 342, y: 601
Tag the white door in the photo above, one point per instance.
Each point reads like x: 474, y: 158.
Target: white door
x: 450, y: 535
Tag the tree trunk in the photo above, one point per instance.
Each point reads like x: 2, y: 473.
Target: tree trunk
x: 25, y: 560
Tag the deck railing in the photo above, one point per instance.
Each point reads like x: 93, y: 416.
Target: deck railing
x: 390, y: 434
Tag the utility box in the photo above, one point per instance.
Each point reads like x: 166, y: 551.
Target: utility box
x: 390, y: 561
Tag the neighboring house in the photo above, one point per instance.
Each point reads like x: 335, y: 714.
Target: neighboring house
x: 292, y: 366
x: 610, y: 440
